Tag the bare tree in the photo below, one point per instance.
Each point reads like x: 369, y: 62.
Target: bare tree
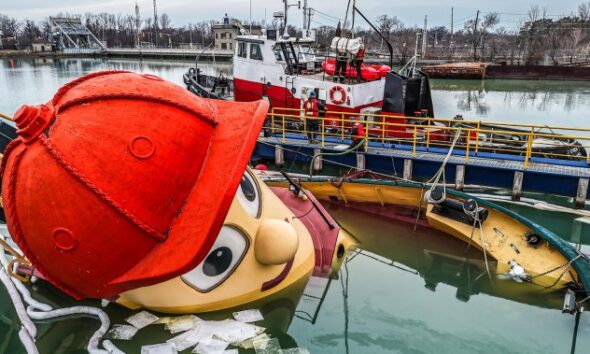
x: 476, y: 30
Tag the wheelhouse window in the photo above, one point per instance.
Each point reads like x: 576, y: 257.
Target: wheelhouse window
x: 278, y: 53
x: 255, y: 52
x: 242, y: 49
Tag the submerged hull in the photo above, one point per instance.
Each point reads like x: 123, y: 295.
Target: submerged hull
x: 552, y: 264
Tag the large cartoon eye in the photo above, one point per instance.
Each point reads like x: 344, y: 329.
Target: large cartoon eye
x: 225, y: 255
x: 249, y: 195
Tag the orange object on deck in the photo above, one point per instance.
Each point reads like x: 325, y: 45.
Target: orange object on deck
x: 123, y: 180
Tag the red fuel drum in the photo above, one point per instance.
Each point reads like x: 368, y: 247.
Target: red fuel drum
x: 123, y: 180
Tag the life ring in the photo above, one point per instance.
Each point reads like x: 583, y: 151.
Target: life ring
x: 342, y: 98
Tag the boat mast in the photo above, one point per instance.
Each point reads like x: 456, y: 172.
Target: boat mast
x: 353, y: 16
x: 285, y: 31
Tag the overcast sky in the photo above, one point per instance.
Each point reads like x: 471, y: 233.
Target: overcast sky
x: 411, y: 12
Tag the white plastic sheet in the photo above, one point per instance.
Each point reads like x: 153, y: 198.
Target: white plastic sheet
x: 141, y: 319
x: 122, y: 332
x: 163, y: 348
x: 182, y: 323
x: 248, y: 316
x: 212, y: 346
x: 267, y: 346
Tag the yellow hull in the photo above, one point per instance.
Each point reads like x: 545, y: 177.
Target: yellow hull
x: 503, y: 236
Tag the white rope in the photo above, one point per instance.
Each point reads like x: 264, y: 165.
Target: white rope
x: 27, y: 341
x: 19, y: 294
x: 435, y: 180
x: 78, y: 310
x: 477, y: 222
x: 19, y: 306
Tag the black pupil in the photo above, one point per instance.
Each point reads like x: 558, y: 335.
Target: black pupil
x: 248, y: 189
x: 217, y: 261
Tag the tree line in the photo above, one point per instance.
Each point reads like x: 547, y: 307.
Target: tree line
x: 539, y: 38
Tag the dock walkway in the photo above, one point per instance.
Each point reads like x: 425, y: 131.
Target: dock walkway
x: 566, y: 178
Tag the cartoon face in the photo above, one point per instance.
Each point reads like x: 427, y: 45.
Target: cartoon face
x: 261, y: 249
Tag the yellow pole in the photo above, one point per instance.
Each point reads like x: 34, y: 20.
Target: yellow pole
x: 382, y: 130
x: 305, y: 125
x: 366, y: 136
x: 272, y: 122
x: 284, y: 129
x: 468, y: 145
x: 414, y: 144
x: 342, y: 126
x: 323, y: 129
x: 427, y: 138
x: 529, y: 150
x: 477, y: 137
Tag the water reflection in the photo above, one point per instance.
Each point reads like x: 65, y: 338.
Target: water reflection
x: 523, y: 101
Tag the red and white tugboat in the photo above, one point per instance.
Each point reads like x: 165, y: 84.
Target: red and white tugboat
x: 285, y: 70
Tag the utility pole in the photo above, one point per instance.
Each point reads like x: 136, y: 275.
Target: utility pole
x: 155, y: 24
x: 451, y: 42
x: 250, y: 18
x: 475, y: 41
x: 137, y: 22
x: 305, y: 10
x: 425, y: 36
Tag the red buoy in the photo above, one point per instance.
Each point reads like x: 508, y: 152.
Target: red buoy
x: 123, y: 180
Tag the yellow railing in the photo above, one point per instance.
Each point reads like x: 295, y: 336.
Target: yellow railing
x: 475, y: 137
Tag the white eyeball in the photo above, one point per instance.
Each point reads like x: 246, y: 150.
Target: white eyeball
x: 224, y: 257
x: 249, y: 195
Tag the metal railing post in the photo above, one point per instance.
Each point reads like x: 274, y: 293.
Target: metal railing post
x: 529, y: 150
x: 366, y: 136
x: 342, y: 126
x: 272, y: 122
x: 427, y: 139
x: 284, y: 130
x: 414, y: 143
x: 323, y: 132
x: 477, y: 138
x: 468, y: 145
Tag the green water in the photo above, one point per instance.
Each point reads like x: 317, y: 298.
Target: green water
x: 409, y: 292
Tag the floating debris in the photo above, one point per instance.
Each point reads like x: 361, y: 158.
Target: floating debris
x: 122, y: 332
x: 249, y: 344
x: 212, y: 346
x: 267, y: 346
x: 141, y: 319
x: 248, y: 316
x: 182, y: 323
x: 163, y: 348
x: 232, y: 331
x: 295, y: 351
x: 189, y: 338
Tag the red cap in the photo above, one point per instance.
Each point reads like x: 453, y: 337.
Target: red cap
x: 124, y: 180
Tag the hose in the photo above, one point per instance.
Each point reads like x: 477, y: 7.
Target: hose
x: 347, y: 151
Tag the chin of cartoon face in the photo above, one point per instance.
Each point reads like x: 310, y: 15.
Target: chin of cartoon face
x: 261, y: 249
